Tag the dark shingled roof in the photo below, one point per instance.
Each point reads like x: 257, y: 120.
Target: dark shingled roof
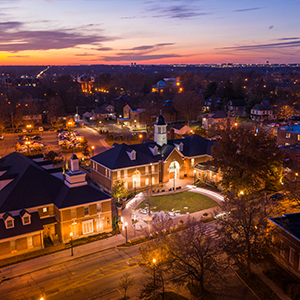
x: 79, y: 195
x: 178, y: 126
x: 33, y: 186
x: 19, y: 228
x: 117, y: 157
x: 290, y: 222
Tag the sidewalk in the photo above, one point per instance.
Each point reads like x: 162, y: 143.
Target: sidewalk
x: 259, y: 271
x: 60, y: 257
x: 139, y: 230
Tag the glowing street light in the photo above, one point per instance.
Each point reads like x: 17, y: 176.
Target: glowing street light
x: 125, y: 225
x: 93, y: 148
x: 154, y: 271
x: 71, y: 234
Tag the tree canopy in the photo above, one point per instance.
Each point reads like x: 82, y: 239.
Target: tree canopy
x: 248, y: 161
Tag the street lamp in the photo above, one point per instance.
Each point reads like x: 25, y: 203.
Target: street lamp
x: 126, y: 224
x: 71, y: 234
x: 154, y: 269
x: 93, y: 148
x: 151, y: 177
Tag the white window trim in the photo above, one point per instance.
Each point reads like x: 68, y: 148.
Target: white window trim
x: 90, y: 226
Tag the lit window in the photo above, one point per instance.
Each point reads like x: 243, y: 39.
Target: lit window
x: 29, y: 241
x: 118, y: 174
x: 125, y: 173
x: 298, y: 137
x: 45, y: 209
x: 13, y: 246
x: 87, y: 226
x: 192, y: 161
x: 287, y: 135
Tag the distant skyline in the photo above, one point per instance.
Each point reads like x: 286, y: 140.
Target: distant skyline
x: 70, y: 32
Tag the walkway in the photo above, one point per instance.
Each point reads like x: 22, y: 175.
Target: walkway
x: 45, y: 261
x: 139, y: 230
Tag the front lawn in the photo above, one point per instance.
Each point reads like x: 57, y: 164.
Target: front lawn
x: 180, y: 202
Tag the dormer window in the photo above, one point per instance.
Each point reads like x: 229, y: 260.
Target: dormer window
x: 154, y: 150
x: 25, y: 216
x: 26, y: 220
x: 131, y: 154
x: 9, y: 221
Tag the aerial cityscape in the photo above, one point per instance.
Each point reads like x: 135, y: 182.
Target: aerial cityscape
x: 149, y: 150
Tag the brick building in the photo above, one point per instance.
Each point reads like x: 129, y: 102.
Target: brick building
x: 144, y: 165
x: 288, y: 135
x: 38, y: 203
x: 288, y: 236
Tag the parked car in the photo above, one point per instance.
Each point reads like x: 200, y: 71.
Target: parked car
x: 277, y: 196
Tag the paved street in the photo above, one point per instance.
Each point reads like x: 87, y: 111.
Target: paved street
x: 50, y: 141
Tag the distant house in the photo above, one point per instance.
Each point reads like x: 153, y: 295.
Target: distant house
x: 86, y: 82
x: 262, y: 112
x: 132, y: 118
x: 288, y: 237
x: 181, y: 129
x: 288, y: 135
x: 105, y: 111
x: 21, y: 82
x: 37, y: 204
x: 217, y: 120
x: 237, y: 107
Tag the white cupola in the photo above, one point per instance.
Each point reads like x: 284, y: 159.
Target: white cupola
x: 160, y: 131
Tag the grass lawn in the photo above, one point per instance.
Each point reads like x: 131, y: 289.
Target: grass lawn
x: 183, y: 202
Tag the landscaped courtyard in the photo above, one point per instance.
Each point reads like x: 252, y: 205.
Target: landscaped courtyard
x: 179, y: 202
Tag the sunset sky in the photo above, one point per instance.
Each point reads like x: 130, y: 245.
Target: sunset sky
x: 70, y: 32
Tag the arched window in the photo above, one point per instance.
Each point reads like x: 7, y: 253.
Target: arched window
x: 136, y: 179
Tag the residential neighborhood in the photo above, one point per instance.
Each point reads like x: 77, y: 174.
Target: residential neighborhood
x: 89, y: 169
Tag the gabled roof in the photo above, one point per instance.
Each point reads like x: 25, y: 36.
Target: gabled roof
x: 19, y: 228
x: 178, y: 126
x: 262, y: 106
x: 33, y: 186
x: 219, y: 114
x: 238, y: 102
x: 194, y: 145
x: 117, y: 157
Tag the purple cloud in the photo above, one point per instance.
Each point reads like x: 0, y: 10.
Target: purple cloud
x: 14, y: 39
x: 149, y: 47
x: 134, y: 57
x: 247, y: 9
x: 263, y: 46
x: 104, y: 49
x: 181, y: 11
x: 84, y: 54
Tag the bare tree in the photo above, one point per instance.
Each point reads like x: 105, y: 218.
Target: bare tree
x: 126, y: 282
x: 246, y: 230
x: 196, y: 258
x: 188, y: 104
